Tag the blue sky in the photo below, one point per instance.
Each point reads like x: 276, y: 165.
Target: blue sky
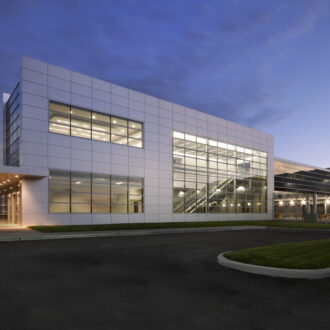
x: 265, y: 64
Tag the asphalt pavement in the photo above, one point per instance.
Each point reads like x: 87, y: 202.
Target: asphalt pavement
x: 154, y: 282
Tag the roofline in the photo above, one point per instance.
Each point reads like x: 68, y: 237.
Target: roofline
x: 301, y: 164
x: 157, y: 97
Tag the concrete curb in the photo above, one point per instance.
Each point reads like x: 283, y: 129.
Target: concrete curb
x: 312, y: 274
x: 299, y: 229
x: 117, y: 233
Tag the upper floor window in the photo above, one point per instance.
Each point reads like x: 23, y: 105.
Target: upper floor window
x: 70, y: 120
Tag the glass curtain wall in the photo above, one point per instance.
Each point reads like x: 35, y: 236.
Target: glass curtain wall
x: 294, y: 185
x: 292, y: 177
x: 13, y: 128
x: 78, y: 192
x: 4, y: 198
x: 87, y: 124
x: 215, y: 177
x: 293, y: 206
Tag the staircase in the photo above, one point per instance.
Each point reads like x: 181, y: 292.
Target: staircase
x: 191, y: 203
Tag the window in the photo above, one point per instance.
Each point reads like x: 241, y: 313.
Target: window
x: 119, y: 192
x: 101, y: 193
x: 135, y: 198
x: 59, y: 118
x: 87, y: 124
x: 77, y: 192
x: 81, y: 192
x: 215, y: 177
x: 59, y: 192
x: 13, y: 128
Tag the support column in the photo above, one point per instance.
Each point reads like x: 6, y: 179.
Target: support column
x: 308, y: 208
x: 325, y: 208
x: 314, y: 215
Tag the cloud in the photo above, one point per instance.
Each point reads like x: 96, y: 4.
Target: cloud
x: 208, y: 55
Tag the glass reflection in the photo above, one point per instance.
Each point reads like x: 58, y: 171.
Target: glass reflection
x: 214, y: 177
x: 78, y: 192
x: 87, y: 124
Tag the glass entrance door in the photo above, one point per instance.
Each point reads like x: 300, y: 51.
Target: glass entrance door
x: 14, y: 208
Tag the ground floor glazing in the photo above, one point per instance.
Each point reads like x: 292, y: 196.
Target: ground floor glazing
x: 297, y: 206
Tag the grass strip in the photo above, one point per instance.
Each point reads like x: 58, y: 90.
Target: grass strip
x: 299, y: 255
x: 164, y: 225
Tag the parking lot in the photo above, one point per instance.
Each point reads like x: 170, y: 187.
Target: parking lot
x: 154, y: 282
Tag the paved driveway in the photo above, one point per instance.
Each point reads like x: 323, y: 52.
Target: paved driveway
x: 153, y: 282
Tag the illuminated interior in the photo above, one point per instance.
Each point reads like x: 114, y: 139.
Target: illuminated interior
x: 215, y: 177
x: 295, y: 186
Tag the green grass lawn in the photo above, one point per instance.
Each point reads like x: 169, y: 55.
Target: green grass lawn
x: 299, y: 255
x: 162, y: 225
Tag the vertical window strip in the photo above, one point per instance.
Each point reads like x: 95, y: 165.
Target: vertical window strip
x: 13, y: 128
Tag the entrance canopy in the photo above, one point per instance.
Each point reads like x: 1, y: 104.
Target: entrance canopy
x: 296, y: 177
x: 11, y: 178
x: 297, y: 186
x: 10, y: 193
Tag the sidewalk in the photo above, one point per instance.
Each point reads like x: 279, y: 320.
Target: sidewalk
x: 17, y: 233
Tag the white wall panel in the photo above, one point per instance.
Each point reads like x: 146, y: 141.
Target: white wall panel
x: 154, y: 162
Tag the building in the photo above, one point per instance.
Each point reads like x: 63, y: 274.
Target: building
x: 301, y: 191
x: 78, y: 150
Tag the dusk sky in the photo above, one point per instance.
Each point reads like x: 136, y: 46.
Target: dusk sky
x: 264, y: 64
